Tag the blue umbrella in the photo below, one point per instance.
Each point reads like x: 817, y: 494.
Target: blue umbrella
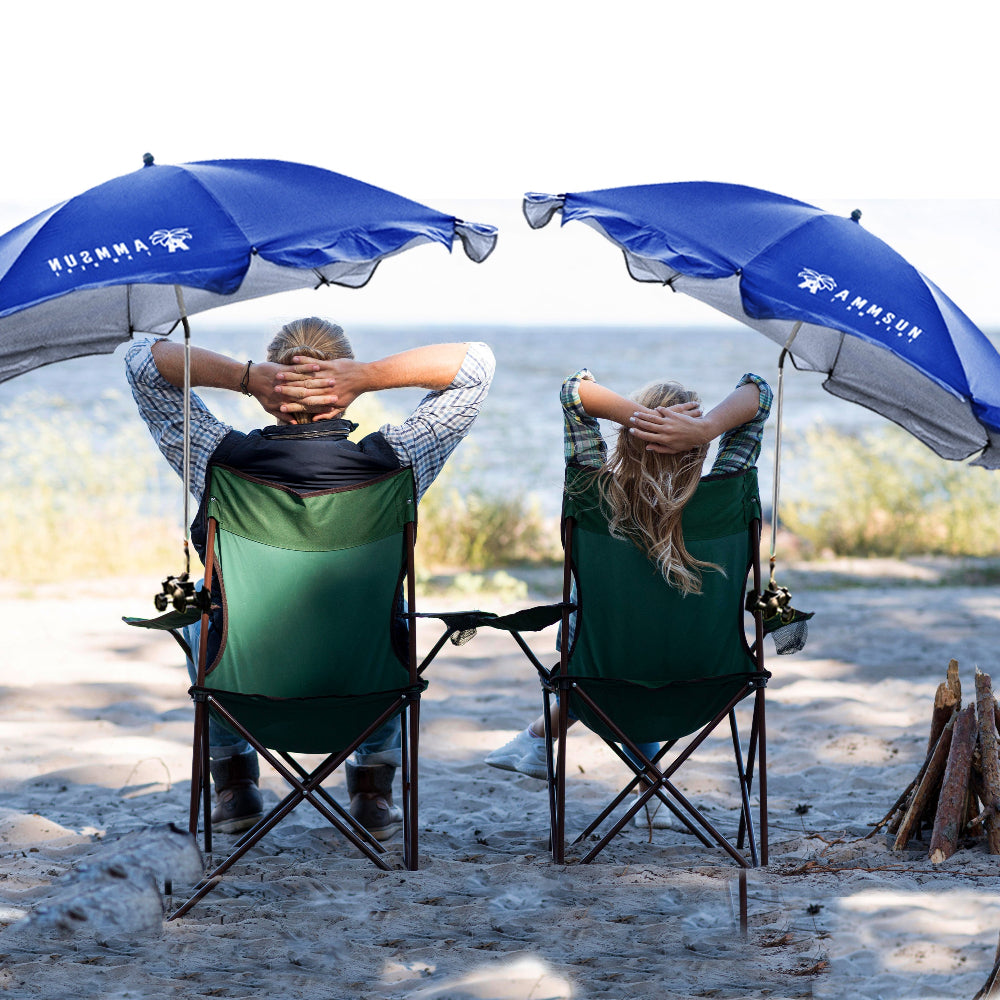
x: 836, y: 298
x: 85, y: 275
x: 144, y: 251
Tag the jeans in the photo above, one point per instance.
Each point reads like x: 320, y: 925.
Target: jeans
x: 382, y: 747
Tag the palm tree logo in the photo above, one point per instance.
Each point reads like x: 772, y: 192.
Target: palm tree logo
x: 815, y: 281
x: 172, y: 239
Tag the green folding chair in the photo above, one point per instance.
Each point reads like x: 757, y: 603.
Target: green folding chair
x: 648, y: 664
x: 309, y: 660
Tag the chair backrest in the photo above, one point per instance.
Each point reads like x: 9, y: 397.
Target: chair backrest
x: 658, y: 662
x: 310, y: 584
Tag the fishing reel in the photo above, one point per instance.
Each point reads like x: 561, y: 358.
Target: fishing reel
x: 180, y: 592
x: 773, y: 602
x: 786, y: 625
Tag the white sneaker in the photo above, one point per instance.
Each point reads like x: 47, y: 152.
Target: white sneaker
x: 654, y: 814
x: 525, y: 753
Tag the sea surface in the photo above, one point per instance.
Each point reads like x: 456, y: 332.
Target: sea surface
x: 515, y: 447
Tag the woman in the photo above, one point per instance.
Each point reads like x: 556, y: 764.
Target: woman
x: 650, y: 475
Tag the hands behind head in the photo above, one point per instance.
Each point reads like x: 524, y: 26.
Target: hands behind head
x: 322, y: 388
x: 670, y: 429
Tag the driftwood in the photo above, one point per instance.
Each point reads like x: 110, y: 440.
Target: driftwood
x: 949, y: 820
x: 929, y: 785
x: 956, y: 792
x: 989, y: 762
x: 947, y: 701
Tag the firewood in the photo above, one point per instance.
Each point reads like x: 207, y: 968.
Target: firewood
x: 950, y: 817
x: 946, y: 704
x: 895, y: 814
x: 953, y: 681
x: 989, y: 761
x: 929, y: 784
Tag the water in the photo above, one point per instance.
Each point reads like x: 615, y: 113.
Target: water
x: 516, y: 445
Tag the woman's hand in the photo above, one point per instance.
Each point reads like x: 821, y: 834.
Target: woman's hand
x: 671, y: 429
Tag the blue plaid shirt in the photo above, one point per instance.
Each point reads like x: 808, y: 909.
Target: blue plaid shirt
x: 424, y: 441
x: 583, y: 444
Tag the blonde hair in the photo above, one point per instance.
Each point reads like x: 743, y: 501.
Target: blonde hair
x: 646, y: 491
x: 310, y: 337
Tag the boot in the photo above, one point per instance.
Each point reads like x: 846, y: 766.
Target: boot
x: 370, y: 789
x: 238, y: 804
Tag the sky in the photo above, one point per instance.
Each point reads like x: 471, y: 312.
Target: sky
x: 465, y: 106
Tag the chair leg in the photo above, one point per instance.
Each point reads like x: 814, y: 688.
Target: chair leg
x: 196, y: 771
x: 550, y: 772
x: 559, y: 853
x: 410, y: 722
x: 744, y: 788
x: 762, y: 771
x: 201, y: 785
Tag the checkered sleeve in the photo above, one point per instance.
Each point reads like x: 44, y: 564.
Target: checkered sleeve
x: 161, y: 406
x: 739, y: 448
x: 583, y: 443
x: 426, y: 439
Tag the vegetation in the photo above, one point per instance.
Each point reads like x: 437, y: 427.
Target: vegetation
x: 97, y: 500
x: 883, y: 493
x: 81, y: 501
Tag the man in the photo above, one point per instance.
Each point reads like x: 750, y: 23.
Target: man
x: 308, y: 448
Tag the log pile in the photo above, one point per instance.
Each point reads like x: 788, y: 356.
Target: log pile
x: 956, y: 792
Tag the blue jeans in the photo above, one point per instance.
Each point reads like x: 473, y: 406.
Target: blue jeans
x: 382, y: 747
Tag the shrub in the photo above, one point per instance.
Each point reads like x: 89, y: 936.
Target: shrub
x: 95, y: 499
x: 883, y: 493
x: 81, y: 500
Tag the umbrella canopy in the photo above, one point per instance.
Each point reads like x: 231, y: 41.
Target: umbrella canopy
x: 85, y: 275
x: 838, y: 298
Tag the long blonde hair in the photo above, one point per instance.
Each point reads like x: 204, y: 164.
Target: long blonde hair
x: 310, y: 337
x: 646, y: 491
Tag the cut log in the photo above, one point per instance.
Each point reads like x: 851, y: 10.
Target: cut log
x: 895, y: 814
x: 926, y: 789
x: 950, y: 817
x: 953, y: 680
x: 946, y: 704
x: 989, y: 761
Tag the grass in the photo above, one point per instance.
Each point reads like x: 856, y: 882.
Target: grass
x: 95, y: 499
x: 885, y: 494
x: 80, y: 501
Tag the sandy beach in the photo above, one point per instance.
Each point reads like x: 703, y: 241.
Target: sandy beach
x: 95, y: 734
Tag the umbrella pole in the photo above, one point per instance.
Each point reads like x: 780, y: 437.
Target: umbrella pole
x: 187, y: 429
x: 777, y: 442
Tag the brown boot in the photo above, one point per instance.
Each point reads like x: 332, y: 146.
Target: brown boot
x: 370, y: 789
x: 238, y: 804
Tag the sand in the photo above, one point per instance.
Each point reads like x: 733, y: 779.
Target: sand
x: 95, y: 733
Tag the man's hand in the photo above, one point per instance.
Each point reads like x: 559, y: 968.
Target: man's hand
x: 322, y: 388
x: 671, y: 429
x: 263, y: 375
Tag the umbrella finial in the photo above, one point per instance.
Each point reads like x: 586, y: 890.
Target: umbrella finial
x: 856, y: 215
x: 147, y: 159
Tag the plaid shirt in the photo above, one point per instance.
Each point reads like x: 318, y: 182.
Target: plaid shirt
x: 424, y: 440
x: 583, y: 444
